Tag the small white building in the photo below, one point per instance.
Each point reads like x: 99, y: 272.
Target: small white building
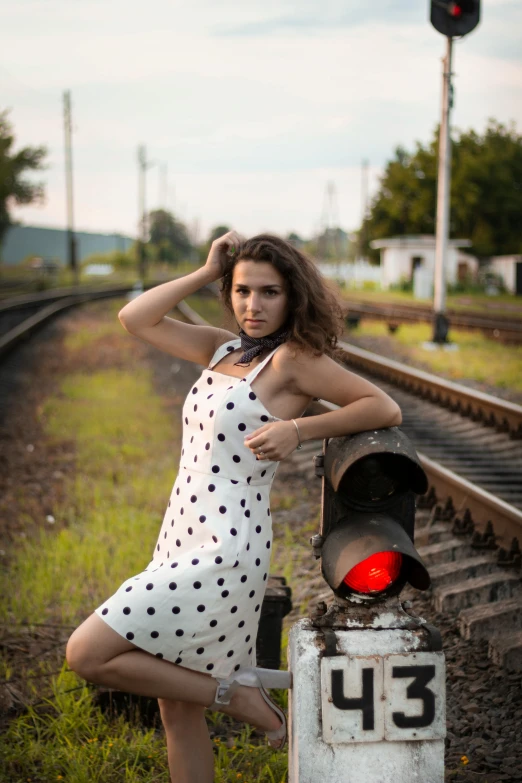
x: 509, y: 268
x: 402, y: 256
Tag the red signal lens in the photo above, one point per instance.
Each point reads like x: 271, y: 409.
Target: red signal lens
x: 455, y: 10
x: 374, y: 574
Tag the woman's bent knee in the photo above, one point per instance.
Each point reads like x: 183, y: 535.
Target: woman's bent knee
x: 79, y: 657
x: 92, y: 645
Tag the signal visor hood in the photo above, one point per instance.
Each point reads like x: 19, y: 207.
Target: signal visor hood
x: 357, y: 538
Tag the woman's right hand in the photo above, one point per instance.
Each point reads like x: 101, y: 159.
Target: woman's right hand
x: 221, y: 248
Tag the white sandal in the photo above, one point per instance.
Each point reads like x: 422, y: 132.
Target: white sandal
x: 257, y: 678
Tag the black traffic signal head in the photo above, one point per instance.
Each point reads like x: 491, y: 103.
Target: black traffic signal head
x: 370, y: 482
x: 455, y: 17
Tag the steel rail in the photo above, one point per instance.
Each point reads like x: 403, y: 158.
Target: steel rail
x: 502, y: 329
x: 492, y: 411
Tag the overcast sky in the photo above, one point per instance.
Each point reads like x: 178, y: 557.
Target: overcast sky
x: 254, y: 105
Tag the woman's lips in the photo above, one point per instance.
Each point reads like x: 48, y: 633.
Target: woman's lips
x: 254, y: 321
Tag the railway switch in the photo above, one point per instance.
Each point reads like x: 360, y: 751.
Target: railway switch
x: 368, y: 695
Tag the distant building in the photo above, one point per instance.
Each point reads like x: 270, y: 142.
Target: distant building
x: 509, y: 268
x: 402, y: 256
x: 23, y: 241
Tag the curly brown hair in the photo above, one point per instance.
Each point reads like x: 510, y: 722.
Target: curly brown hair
x: 316, y: 318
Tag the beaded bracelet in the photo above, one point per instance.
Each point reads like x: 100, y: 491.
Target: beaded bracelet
x: 298, y: 436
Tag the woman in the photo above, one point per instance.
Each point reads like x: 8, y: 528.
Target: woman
x: 183, y: 631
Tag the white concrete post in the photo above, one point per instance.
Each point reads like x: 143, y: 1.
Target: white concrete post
x: 374, y: 712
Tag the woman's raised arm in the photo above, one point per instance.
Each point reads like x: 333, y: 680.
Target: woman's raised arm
x: 146, y: 316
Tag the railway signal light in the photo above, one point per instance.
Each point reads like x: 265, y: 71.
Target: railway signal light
x: 456, y: 18
x: 368, y: 514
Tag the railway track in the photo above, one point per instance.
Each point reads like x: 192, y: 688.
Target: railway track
x: 469, y: 522
x: 505, y: 330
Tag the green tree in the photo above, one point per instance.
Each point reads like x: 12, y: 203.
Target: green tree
x: 14, y: 189
x: 169, y: 237
x: 486, y: 191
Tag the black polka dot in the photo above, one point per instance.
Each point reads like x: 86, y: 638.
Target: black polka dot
x: 186, y: 420
x: 236, y: 458
x: 250, y: 650
x: 247, y: 638
x: 264, y: 418
x: 157, y: 547
x: 209, y: 396
x: 193, y: 498
x: 154, y: 634
x: 173, y: 565
x: 178, y: 660
x: 222, y: 509
x: 195, y: 408
x: 207, y: 446
x: 252, y: 395
x: 159, y: 655
x: 268, y: 512
x: 244, y: 578
x: 214, y: 539
x: 221, y: 437
x: 221, y: 581
x: 224, y: 594
x: 173, y: 585
x: 241, y: 427
x: 257, y: 608
x: 247, y: 513
x: 196, y: 458
x: 200, y: 650
x: 172, y: 523
x: 264, y: 577
x: 236, y: 564
x: 243, y: 503
x: 233, y: 481
x: 209, y: 381
x: 247, y: 547
x: 258, y: 528
x: 179, y: 632
x: 218, y: 559
x: 237, y: 666
x: 176, y: 610
x: 211, y: 487
x: 222, y: 638
x: 178, y: 542
x: 128, y: 589
x: 233, y: 531
x: 197, y: 585
x: 249, y: 479
x: 105, y: 611
x: 210, y: 666
x: 211, y: 414
x: 230, y: 348
x: 268, y: 544
x: 258, y: 561
x: 165, y: 536
x: 195, y: 561
x: 233, y: 610
x: 251, y: 593
x: 230, y: 405
x: 258, y: 496
x: 189, y: 531
x: 195, y: 390
x: 215, y: 468
x: 188, y: 479
x: 230, y: 653
x: 192, y: 439
x: 201, y: 608
x: 177, y: 491
x: 150, y: 586
x: 241, y: 624
x: 213, y: 623
x: 202, y: 518
x: 126, y: 610
x: 151, y: 610
x: 201, y: 427
x: 129, y: 636
x: 263, y: 472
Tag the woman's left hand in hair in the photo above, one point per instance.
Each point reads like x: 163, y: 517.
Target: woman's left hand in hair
x: 273, y: 441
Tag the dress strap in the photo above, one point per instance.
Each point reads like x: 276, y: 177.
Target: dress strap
x: 222, y: 351
x: 255, y: 372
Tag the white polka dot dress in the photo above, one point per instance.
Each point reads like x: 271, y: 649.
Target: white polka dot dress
x: 198, y: 602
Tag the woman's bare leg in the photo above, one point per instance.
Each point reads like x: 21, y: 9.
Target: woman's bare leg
x: 191, y: 759
x: 101, y: 655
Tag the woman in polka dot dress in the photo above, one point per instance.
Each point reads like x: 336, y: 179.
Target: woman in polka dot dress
x: 184, y: 629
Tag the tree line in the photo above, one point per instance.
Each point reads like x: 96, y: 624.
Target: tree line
x: 486, y: 198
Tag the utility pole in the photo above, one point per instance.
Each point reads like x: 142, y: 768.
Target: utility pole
x: 440, y: 321
x: 71, y: 239
x: 364, y: 207
x: 142, y: 221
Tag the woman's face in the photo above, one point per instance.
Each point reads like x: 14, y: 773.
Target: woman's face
x: 258, y: 297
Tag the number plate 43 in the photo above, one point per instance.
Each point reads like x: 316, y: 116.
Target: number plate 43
x: 392, y: 697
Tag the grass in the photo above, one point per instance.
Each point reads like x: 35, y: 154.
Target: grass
x: 477, y: 358
x: 494, y: 305
x: 124, y: 439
